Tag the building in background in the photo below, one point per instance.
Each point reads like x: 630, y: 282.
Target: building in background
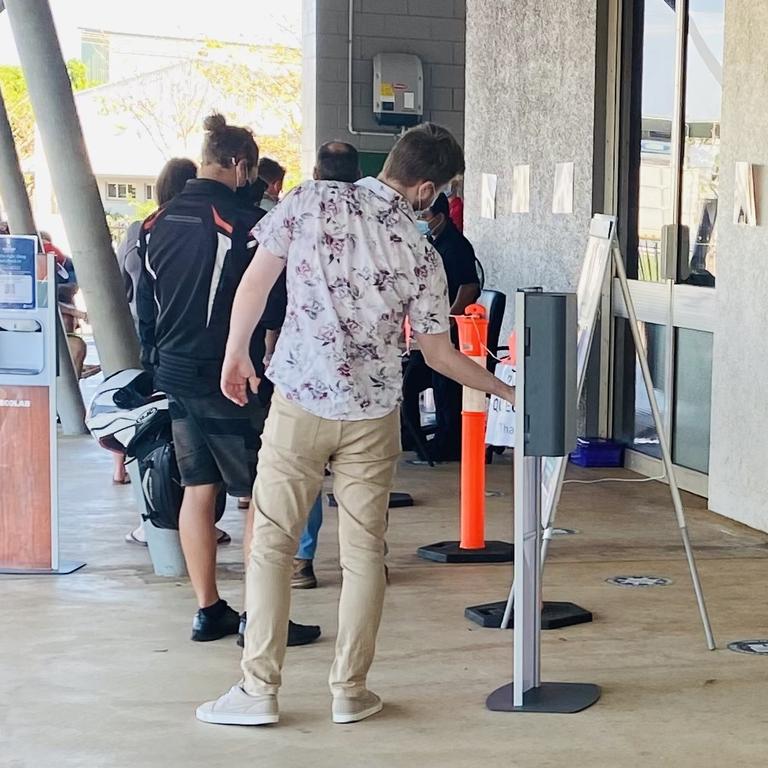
x: 150, y: 107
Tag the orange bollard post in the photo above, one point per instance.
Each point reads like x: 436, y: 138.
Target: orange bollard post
x: 472, y: 546
x: 473, y: 342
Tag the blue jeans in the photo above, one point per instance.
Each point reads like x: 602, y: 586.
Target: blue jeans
x: 308, y: 540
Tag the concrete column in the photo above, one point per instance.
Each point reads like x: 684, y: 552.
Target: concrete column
x: 21, y: 222
x: 74, y: 184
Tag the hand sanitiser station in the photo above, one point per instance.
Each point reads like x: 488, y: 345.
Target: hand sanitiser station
x: 545, y: 426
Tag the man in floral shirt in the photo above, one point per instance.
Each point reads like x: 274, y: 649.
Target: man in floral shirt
x: 356, y: 266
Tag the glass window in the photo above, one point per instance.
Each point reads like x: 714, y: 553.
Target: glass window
x: 116, y: 191
x: 645, y: 435
x: 149, y: 191
x: 693, y: 389
x: 94, y: 51
x: 701, y: 160
x: 656, y: 193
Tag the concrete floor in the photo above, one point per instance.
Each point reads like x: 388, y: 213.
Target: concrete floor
x: 96, y: 668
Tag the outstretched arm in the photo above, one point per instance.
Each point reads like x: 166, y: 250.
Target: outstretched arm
x: 444, y: 358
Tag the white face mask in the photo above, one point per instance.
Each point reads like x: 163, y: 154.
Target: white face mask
x: 445, y: 190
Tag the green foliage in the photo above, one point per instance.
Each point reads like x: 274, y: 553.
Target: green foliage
x: 142, y: 209
x: 14, y: 92
x: 78, y: 75
x: 118, y: 224
x: 274, y: 90
x: 17, y: 104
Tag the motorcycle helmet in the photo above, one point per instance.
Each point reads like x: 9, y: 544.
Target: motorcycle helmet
x: 123, y: 407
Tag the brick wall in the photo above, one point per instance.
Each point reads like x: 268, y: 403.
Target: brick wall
x: 433, y: 30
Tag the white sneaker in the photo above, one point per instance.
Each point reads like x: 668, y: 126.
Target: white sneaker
x: 236, y: 707
x: 351, y: 710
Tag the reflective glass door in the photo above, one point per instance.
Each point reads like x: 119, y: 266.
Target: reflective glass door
x: 669, y: 179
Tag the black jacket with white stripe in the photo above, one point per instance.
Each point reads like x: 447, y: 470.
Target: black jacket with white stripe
x: 194, y: 252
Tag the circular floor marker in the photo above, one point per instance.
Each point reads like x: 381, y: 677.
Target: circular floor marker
x: 564, y: 531
x: 758, y: 647
x: 639, y: 581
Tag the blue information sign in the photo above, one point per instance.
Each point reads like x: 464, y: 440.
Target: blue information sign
x: 18, y: 272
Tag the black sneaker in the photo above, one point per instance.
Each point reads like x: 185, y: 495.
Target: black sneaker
x: 298, y: 634
x: 215, y: 622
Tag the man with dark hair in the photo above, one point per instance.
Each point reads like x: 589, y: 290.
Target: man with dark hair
x: 458, y: 258
x: 356, y: 264
x: 273, y: 175
x: 194, y: 252
x: 337, y: 161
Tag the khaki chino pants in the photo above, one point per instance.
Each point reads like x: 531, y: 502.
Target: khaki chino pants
x: 296, y: 446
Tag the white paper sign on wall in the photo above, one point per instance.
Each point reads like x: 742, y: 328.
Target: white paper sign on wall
x: 521, y: 189
x: 562, y: 197
x: 488, y: 196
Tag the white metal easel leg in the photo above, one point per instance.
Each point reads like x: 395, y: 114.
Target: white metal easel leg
x: 664, y: 445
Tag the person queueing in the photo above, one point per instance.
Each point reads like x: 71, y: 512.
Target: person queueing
x: 194, y: 252
x: 356, y: 264
x: 170, y: 181
x: 463, y: 289
x: 273, y: 176
x: 336, y: 161
x: 251, y: 198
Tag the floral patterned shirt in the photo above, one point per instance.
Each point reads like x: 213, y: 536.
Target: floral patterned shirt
x: 356, y: 265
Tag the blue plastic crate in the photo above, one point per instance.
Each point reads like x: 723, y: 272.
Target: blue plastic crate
x: 598, y: 452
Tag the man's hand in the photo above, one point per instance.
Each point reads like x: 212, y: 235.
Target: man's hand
x: 237, y: 375
x: 441, y: 356
x: 507, y: 393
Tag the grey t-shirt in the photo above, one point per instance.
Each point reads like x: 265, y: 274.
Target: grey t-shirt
x: 130, y: 265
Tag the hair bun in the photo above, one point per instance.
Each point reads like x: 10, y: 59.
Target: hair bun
x: 214, y: 122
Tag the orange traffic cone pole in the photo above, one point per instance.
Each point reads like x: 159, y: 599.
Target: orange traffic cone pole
x: 472, y: 547
x: 473, y: 342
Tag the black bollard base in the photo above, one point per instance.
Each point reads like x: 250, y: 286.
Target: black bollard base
x: 451, y: 552
x: 554, y: 615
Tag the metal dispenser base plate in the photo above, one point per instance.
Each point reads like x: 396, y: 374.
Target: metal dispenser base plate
x: 451, y: 552
x: 553, y: 698
x: 554, y: 615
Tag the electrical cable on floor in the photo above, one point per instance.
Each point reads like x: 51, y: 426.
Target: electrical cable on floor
x: 616, y: 480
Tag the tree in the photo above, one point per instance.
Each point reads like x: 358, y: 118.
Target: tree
x: 168, y: 105
x: 16, y: 97
x: 268, y: 93
x: 254, y: 85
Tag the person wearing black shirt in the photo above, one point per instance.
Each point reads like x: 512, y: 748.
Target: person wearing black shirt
x: 459, y: 263
x: 194, y: 251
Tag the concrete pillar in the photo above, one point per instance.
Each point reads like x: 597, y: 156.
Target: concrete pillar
x: 21, y: 222
x: 74, y: 184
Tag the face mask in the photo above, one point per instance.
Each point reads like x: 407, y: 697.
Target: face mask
x: 421, y: 208
x: 423, y: 226
x: 445, y: 190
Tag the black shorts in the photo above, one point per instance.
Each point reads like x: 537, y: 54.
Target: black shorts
x: 217, y: 441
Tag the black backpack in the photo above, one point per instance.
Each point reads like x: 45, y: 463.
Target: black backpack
x: 153, y: 449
